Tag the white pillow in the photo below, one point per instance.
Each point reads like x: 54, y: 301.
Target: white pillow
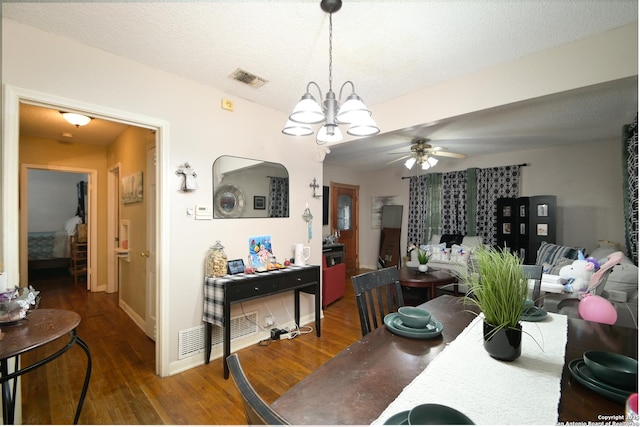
x: 71, y: 224
x: 460, y: 254
x: 440, y: 255
x: 433, y: 249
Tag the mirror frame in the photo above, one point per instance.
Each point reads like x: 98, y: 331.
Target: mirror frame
x: 241, y: 178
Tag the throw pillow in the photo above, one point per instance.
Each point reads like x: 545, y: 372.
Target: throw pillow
x: 441, y: 255
x: 550, y: 253
x: 451, y: 239
x: 555, y: 268
x: 460, y: 254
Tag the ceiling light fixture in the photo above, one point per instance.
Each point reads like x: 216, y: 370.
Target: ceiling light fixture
x: 424, y: 161
x: 352, y: 112
x: 76, y: 119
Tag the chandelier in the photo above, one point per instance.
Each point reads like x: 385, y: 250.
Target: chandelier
x: 352, y: 112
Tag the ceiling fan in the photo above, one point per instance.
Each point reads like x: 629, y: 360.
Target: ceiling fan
x: 423, y: 153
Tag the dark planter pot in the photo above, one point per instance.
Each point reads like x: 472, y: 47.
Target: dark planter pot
x: 503, y: 344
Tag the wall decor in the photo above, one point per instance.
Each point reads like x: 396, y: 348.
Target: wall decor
x: 132, y: 188
x: 542, y: 229
x: 259, y: 202
x: 228, y: 202
x: 254, y: 177
x: 543, y: 210
x: 376, y: 208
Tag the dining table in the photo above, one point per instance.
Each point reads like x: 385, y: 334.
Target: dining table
x: 360, y: 382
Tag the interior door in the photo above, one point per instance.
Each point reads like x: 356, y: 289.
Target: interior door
x: 150, y: 317
x: 344, y: 218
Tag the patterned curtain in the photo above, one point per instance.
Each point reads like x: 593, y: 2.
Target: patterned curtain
x: 278, y: 197
x: 493, y: 183
x: 424, y: 208
x: 433, y: 218
x: 630, y: 186
x: 417, y: 209
x: 454, y: 208
x: 81, y: 188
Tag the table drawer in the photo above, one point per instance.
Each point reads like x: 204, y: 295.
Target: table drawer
x: 271, y: 284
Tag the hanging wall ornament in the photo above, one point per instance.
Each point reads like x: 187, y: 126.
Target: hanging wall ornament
x: 308, y: 217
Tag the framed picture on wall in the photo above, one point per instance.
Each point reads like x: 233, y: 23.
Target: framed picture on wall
x: 132, y: 188
x: 506, y: 211
x: 506, y: 228
x: 259, y: 202
x: 543, y: 210
x: 542, y: 230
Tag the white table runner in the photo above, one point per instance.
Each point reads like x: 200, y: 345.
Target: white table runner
x: 465, y: 377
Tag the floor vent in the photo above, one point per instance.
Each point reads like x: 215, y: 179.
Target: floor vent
x: 191, y: 341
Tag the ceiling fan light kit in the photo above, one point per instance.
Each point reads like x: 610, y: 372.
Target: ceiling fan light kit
x: 352, y: 112
x: 423, y: 154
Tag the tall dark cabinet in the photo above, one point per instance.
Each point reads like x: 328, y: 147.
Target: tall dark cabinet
x: 523, y: 223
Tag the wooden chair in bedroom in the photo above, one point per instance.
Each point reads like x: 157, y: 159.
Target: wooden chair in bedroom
x: 78, y: 253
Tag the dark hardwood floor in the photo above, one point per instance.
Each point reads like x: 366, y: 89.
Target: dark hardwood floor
x: 124, y: 388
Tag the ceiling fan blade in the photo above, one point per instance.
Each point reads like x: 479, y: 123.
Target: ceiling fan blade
x: 398, y: 159
x: 447, y: 154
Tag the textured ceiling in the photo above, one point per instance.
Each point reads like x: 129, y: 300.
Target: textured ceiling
x: 387, y: 48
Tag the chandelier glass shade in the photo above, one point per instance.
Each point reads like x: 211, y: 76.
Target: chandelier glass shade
x: 76, y: 119
x: 352, y: 112
x: 424, y: 161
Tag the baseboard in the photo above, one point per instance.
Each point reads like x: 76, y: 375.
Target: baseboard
x: 139, y: 321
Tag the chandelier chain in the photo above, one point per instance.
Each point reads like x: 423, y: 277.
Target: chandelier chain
x: 330, y: 51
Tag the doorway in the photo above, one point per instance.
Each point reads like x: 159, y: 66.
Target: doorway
x: 49, y: 217
x: 10, y: 191
x: 345, y: 213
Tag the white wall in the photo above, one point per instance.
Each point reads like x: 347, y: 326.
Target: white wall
x: 53, y: 198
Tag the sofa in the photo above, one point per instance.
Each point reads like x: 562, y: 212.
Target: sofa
x: 451, y: 252
x: 620, y: 287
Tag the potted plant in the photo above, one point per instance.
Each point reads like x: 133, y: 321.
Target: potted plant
x: 498, y: 287
x: 423, y: 259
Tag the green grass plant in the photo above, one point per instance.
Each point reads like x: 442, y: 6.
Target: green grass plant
x: 498, y: 287
x: 423, y: 256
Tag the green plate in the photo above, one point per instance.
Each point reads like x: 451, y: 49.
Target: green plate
x: 401, y: 418
x: 404, y: 331
x: 583, y: 375
x: 398, y: 324
x: 534, y: 315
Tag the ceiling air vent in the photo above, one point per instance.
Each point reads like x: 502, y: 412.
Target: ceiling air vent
x: 247, y: 78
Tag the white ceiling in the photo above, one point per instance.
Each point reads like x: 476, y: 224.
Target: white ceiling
x: 387, y: 48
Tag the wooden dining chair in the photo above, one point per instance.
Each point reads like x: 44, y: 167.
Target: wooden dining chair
x: 258, y: 412
x: 378, y: 293
x: 534, y: 272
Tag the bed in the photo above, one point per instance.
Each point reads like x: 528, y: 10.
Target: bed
x: 48, y: 249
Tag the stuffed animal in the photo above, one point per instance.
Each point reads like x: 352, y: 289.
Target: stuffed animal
x: 577, y: 275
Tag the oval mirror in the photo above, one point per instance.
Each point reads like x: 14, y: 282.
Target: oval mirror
x: 249, y: 188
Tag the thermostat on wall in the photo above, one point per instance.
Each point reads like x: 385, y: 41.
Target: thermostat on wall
x: 204, y: 212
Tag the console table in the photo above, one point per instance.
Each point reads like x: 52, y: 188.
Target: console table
x: 42, y: 326
x: 221, y: 292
